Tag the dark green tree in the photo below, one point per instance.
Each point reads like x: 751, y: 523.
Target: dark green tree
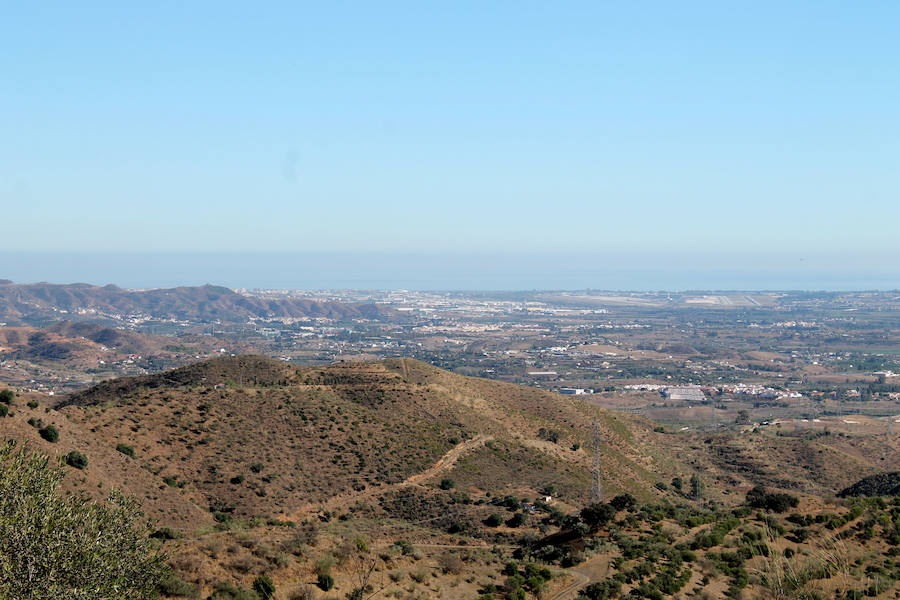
x: 597, y: 514
x: 264, y: 587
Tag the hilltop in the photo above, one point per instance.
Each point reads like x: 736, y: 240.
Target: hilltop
x: 39, y: 303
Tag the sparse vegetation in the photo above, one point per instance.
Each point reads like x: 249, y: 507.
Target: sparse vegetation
x: 314, y: 488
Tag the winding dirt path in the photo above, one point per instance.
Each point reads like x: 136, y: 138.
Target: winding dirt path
x: 446, y: 462
x: 594, y: 569
x: 571, y: 590
x: 443, y: 465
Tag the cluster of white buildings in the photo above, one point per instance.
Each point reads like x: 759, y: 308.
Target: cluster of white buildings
x: 575, y: 391
x: 744, y: 390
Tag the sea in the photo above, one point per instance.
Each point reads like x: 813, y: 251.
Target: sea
x: 454, y: 272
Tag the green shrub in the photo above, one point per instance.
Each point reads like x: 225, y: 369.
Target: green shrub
x: 49, y: 433
x: 76, y: 459
x: 166, y: 533
x: 6, y: 396
x: 33, y: 404
x: 623, y: 502
x: 447, y: 484
x: 325, y: 582
x: 126, y: 449
x: 173, y: 585
x: 264, y: 587
x: 406, y: 549
x: 548, y: 435
x: 225, y: 591
x: 494, y: 520
x: 96, y: 547
x: 4, y: 410
x: 517, y: 520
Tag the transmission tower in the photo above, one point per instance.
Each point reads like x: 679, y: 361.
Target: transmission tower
x: 597, y: 491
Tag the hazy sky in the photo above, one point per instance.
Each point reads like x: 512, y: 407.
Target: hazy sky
x: 707, y: 127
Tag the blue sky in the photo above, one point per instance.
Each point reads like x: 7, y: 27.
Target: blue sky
x: 720, y: 130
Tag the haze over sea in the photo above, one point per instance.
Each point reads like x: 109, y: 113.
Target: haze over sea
x: 471, y: 272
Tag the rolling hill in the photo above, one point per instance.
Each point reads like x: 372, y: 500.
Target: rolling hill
x: 256, y: 436
x: 71, y: 341
x: 40, y: 303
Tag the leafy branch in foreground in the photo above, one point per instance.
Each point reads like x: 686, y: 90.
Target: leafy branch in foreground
x: 53, y: 546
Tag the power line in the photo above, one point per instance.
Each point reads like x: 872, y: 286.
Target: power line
x: 597, y: 490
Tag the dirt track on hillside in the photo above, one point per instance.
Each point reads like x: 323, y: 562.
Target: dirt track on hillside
x: 443, y: 465
x: 590, y: 571
x: 446, y: 462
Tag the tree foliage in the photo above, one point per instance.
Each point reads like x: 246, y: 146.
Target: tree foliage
x: 759, y: 497
x: 264, y: 587
x: 55, y: 547
x: 597, y: 514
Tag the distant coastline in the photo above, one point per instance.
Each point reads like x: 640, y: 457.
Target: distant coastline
x: 475, y: 272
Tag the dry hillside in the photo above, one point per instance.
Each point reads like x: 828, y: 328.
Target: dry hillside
x: 256, y: 436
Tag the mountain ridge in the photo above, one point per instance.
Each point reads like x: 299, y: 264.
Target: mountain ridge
x: 39, y: 302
